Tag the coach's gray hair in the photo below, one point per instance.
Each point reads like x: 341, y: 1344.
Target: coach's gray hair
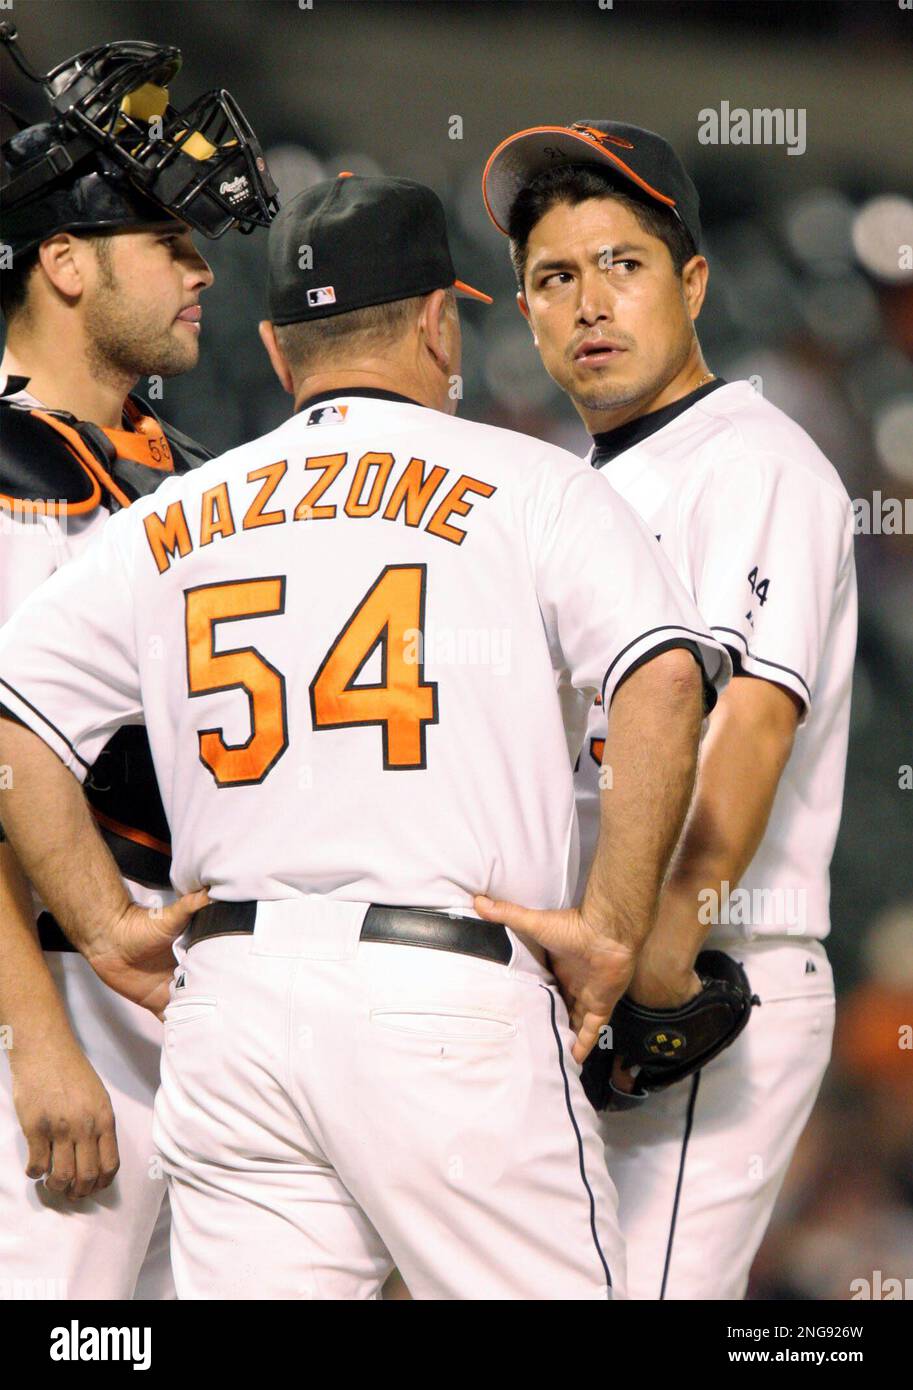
x: 342, y: 339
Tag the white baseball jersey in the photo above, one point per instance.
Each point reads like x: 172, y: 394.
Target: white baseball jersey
x: 759, y: 528
x: 325, y: 632
x: 33, y: 545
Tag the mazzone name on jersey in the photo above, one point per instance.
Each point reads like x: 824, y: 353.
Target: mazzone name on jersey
x: 408, y: 489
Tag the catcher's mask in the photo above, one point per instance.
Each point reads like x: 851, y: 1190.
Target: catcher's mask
x: 116, y: 151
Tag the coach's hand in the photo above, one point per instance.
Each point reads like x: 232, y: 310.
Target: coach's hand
x: 592, y: 968
x: 65, y: 1114
x: 134, y: 955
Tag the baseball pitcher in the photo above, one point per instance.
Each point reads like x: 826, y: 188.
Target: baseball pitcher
x: 605, y: 239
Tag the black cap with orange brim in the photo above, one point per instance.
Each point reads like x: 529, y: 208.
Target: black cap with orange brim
x: 350, y: 242
x: 634, y: 155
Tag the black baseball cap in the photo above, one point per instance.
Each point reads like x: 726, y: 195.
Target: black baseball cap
x: 634, y: 155
x: 371, y: 240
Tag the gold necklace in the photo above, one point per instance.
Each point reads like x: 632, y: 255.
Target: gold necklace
x: 708, y: 376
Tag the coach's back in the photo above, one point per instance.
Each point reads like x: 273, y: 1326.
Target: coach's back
x: 331, y: 626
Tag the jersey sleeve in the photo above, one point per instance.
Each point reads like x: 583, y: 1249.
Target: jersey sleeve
x: 771, y: 546
x: 68, y: 666
x: 609, y: 597
x: 29, y: 554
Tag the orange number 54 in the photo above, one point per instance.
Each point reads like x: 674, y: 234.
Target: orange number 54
x: 208, y: 671
x: 390, y: 618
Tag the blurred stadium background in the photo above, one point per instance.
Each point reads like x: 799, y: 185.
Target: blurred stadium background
x: 807, y: 295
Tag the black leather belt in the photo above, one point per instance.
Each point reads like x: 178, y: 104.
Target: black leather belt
x: 397, y: 926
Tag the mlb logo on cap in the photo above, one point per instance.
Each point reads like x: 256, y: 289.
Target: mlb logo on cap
x: 381, y: 239
x: 325, y: 295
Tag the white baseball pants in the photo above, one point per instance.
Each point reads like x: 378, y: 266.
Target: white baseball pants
x: 698, y: 1167
x: 330, y: 1108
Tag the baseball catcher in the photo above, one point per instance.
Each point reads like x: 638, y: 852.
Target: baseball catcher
x: 101, y: 281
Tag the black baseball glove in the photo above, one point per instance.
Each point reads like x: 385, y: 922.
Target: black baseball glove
x: 666, y: 1045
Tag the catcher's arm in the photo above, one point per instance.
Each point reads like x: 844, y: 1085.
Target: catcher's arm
x: 51, y: 829
x: 744, y: 752
x: 57, y: 843
x: 61, y: 1104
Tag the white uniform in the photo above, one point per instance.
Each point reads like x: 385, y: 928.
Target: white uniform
x: 113, y: 1245
x: 760, y: 530
x: 323, y: 630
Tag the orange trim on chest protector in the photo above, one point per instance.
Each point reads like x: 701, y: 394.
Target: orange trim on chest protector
x: 144, y: 443
x: 84, y: 456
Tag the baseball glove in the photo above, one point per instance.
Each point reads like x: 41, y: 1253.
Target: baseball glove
x: 663, y: 1046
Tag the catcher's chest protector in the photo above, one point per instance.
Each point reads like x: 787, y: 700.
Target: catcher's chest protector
x: 52, y: 463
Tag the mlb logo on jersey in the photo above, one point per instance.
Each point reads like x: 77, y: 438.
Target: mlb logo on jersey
x: 324, y: 295
x: 326, y: 415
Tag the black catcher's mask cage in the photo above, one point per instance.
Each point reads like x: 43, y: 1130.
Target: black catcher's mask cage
x: 202, y: 164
